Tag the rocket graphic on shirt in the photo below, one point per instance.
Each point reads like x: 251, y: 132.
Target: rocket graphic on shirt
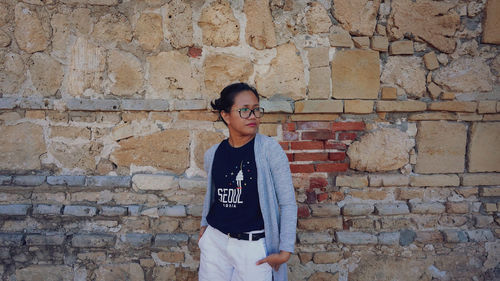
x: 239, y: 177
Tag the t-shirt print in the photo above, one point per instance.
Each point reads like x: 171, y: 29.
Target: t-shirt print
x: 231, y: 197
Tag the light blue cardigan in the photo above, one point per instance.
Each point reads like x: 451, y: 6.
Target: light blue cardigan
x: 276, y: 196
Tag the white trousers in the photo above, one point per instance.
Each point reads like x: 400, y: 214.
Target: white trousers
x: 223, y: 258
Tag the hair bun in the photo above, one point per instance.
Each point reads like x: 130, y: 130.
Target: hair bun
x: 216, y: 104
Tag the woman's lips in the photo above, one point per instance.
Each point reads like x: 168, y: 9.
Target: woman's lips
x: 252, y: 124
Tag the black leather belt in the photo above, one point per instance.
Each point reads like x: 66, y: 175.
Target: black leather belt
x: 246, y: 236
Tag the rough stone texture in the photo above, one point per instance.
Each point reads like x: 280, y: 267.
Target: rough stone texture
x: 222, y: 70
x: 314, y: 237
x: 148, y: 31
x: 355, y: 74
x: 318, y: 57
x: 430, y: 60
x: 44, y: 273
x: 80, y: 211
x: 362, y: 42
x: 357, y: 209
x: 324, y: 276
x: 434, y: 180
x: 285, y: 75
x: 405, y: 72
x: 92, y: 241
x: 21, y: 147
x: 339, y: 37
x: 428, y: 21
x: 259, y: 32
x: 403, y: 47
x: 125, y: 71
x: 358, y: 106
x: 441, y: 147
x: 465, y: 74
x: 391, y: 209
x: 480, y: 179
x: 379, y: 43
x: 219, y: 26
x: 483, y: 153
x: 327, y: 257
x: 46, y: 82
x: 12, y: 73
x: 30, y: 34
x: 154, y: 182
x: 319, y: 83
x: 357, y: 16
x: 324, y: 210
x: 113, y: 28
x: 368, y: 154
x: 167, y: 150
x: 355, y: 237
x: 317, y: 19
x: 358, y: 181
x: 427, y: 208
x: 130, y: 271
x: 87, y: 64
x: 204, y: 140
x: 76, y: 156
x: 178, y: 23
x: 170, y: 75
x: 318, y: 106
x: 491, y: 24
x: 404, y: 106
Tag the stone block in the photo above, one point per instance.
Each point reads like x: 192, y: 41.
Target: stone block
x: 93, y: 240
x: 355, y: 238
x: 389, y: 209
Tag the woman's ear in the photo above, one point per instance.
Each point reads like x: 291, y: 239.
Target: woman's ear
x: 225, y: 116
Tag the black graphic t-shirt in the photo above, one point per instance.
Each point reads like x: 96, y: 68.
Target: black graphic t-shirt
x: 236, y: 207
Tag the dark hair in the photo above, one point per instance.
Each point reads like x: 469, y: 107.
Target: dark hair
x: 227, y: 95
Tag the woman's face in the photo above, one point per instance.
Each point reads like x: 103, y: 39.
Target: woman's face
x: 245, y: 100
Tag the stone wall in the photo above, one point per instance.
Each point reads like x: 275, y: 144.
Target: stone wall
x: 388, y: 111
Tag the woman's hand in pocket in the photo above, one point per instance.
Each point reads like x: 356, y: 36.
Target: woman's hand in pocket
x: 275, y: 260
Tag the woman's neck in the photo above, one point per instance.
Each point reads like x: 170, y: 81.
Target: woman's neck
x: 239, y: 140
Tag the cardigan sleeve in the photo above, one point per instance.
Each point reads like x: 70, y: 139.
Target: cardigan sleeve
x: 285, y: 192
x: 206, y: 165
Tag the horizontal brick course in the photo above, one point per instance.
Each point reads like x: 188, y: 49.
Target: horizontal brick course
x: 303, y: 145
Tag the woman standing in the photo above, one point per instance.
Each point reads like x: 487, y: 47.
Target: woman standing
x: 249, y: 214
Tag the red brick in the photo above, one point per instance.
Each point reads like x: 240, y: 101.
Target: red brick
x: 290, y: 157
x: 290, y: 136
x: 347, y: 136
x: 318, y: 135
x: 331, y: 144
x: 348, y: 126
x: 303, y: 211
x: 285, y: 145
x: 313, y: 156
x: 194, y: 52
x: 302, y: 168
x: 336, y: 156
x: 300, y: 145
x: 322, y: 197
x: 290, y: 127
x: 317, y: 182
x: 331, y: 167
x: 313, y: 125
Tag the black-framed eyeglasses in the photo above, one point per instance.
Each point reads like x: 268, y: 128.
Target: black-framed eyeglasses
x: 245, y: 113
